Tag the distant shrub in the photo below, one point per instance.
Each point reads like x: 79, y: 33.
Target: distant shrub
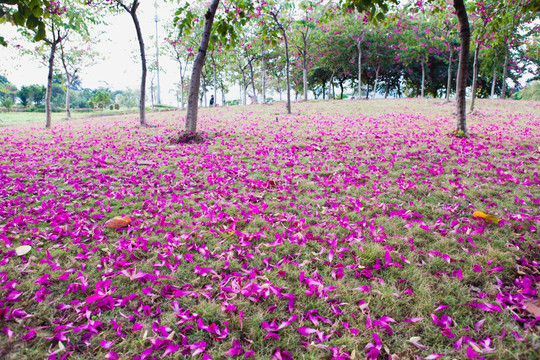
x: 111, y: 107
x: 116, y: 106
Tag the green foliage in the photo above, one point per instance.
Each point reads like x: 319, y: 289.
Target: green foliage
x: 25, y: 95
x: 30, y: 14
x: 530, y: 92
x: 7, y: 102
x: 101, y: 98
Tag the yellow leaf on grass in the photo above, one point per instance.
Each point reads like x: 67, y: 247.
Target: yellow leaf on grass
x: 486, y: 217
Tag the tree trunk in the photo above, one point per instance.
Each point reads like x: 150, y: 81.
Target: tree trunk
x: 461, y: 79
x: 252, y: 75
x: 423, y: 79
x: 330, y: 87
x: 53, y: 44
x: 386, y: 90
x: 341, y: 88
x: 367, y: 91
x: 215, y: 82
x: 476, y: 67
x: 359, y: 44
x: 244, y: 87
x: 449, y: 82
x: 191, y: 115
x: 181, y: 87
x: 493, y: 83
x: 288, y: 70
x: 376, y: 82
x: 142, y: 100
x: 505, y: 73
x: 263, y: 75
x: 68, y: 93
x: 304, y: 72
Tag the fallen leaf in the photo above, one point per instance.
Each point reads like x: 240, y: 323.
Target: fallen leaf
x: 23, y: 250
x: 118, y: 222
x: 486, y: 217
x: 533, y: 306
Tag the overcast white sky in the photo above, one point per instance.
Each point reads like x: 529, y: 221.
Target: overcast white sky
x: 120, y: 67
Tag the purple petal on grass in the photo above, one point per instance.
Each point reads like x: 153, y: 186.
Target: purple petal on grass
x: 170, y: 349
x: 517, y: 336
x: 306, y: 330
x: 106, y: 344
x: 137, y: 327
x: 236, y: 349
x: 433, y: 356
x: 413, y: 320
x: 495, y: 269
x: 471, y: 354
x: 111, y: 355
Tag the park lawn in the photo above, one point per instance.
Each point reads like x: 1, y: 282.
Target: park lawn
x: 37, y: 119
x: 344, y: 230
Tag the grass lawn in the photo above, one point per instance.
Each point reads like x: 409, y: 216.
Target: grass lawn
x: 342, y: 231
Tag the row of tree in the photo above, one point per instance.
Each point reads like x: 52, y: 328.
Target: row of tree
x: 371, y: 45
x: 32, y: 97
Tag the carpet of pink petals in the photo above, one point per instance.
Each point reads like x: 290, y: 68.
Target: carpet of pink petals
x: 223, y: 225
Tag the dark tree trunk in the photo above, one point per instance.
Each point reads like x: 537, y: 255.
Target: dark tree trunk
x: 461, y: 79
x: 288, y: 71
x: 49, y: 86
x: 56, y: 39
x: 283, y: 31
x: 191, y: 116
x: 142, y: 100
x: 386, y: 90
x: 476, y: 67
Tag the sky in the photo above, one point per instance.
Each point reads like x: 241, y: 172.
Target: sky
x: 119, y: 66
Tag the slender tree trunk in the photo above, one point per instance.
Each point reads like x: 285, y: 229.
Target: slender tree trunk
x: 359, y: 45
x: 69, y: 80
x: 476, y: 67
x: 252, y: 75
x: 387, y: 88
x: 304, y: 72
x: 181, y: 87
x: 288, y: 71
x: 367, y: 91
x: 263, y: 75
x: 331, y: 87
x: 341, y: 88
x: 142, y: 112
x: 461, y: 79
x: 505, y: 73
x: 198, y: 63
x: 449, y: 82
x: 68, y: 93
x: 376, y: 81
x: 215, y: 81
x: 423, y: 78
x: 244, y: 87
x: 53, y: 44
x: 493, y: 82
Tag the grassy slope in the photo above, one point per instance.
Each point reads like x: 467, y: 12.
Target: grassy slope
x: 340, y: 194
